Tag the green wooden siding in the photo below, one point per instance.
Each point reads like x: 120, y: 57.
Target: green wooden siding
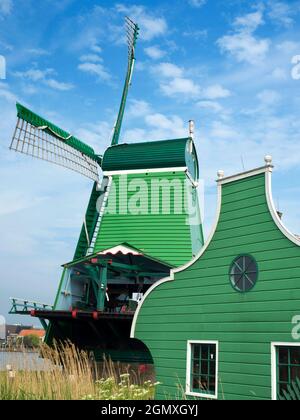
x: 163, y: 236
x: 200, y: 304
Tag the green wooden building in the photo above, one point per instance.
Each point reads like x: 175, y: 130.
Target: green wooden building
x: 219, y: 319
x: 227, y: 324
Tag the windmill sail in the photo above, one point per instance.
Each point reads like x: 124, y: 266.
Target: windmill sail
x: 41, y: 139
x: 132, y: 31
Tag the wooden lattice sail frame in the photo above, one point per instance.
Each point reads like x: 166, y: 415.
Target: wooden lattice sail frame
x: 34, y: 136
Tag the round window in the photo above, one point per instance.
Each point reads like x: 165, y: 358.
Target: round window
x: 244, y: 273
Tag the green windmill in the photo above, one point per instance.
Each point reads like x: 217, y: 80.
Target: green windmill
x: 142, y: 220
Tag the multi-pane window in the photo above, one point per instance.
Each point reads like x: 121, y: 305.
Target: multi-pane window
x: 288, y: 368
x: 203, y: 368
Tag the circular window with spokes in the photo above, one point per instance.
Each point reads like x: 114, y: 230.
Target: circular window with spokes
x: 244, y: 273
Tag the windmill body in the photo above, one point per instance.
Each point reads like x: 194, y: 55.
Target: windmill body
x: 141, y: 221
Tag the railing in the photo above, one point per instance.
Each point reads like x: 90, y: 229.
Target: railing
x: 25, y: 306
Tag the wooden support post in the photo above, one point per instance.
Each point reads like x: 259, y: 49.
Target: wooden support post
x: 102, y: 285
x: 44, y: 323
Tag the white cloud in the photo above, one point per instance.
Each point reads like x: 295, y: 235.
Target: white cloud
x: 29, y: 89
x: 97, y: 135
x: 156, y: 126
x: 279, y: 74
x: 270, y: 134
x: 95, y: 69
x: 172, y: 82
x: 136, y: 135
x: 242, y: 44
x: 245, y: 47
x: 6, y: 94
x: 269, y: 97
x: 37, y: 75
x: 159, y: 120
x: 196, y: 34
x: 38, y: 52
x: 210, y: 106
x: 282, y: 13
x: 17, y: 201
x: 249, y: 22
x: 153, y: 125
x: 155, y: 52
x: 197, y: 3
x: 151, y: 25
x: 216, y: 92
x: 6, y: 7
x: 268, y: 100
x: 95, y: 48
x: 288, y: 46
x: 91, y: 58
x: 34, y: 74
x: 54, y: 84
x: 167, y: 70
x: 214, y: 108
x: 180, y: 86
x: 221, y: 130
x: 159, y: 126
x: 138, y: 108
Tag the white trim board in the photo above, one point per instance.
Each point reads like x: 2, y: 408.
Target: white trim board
x: 247, y: 174
x: 274, y: 345
x: 145, y: 171
x: 188, y: 370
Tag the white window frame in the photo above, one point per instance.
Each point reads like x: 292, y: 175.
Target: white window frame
x: 274, y: 347
x: 189, y: 366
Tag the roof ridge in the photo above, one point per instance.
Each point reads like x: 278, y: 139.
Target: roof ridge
x: 150, y: 142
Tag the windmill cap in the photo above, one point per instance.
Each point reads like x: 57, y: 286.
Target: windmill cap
x: 176, y: 153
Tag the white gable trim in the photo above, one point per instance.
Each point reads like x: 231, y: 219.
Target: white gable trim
x: 274, y: 213
x: 119, y: 249
x: 244, y: 175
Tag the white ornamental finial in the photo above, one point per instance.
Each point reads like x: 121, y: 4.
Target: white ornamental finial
x: 192, y: 129
x: 268, y: 160
x: 220, y: 174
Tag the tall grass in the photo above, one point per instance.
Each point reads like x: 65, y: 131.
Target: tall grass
x: 71, y: 375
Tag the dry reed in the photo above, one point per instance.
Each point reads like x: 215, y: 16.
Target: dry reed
x: 70, y: 374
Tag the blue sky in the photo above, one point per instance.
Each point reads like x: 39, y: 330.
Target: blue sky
x: 227, y: 64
